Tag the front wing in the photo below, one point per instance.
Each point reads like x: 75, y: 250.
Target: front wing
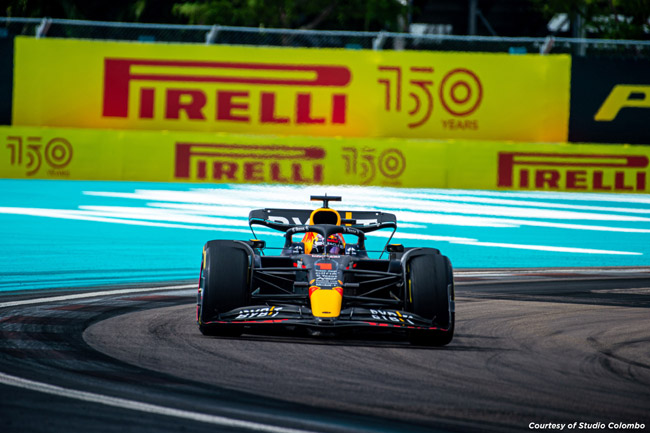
x: 293, y: 315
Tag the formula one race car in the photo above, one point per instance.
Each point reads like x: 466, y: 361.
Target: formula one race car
x: 325, y: 282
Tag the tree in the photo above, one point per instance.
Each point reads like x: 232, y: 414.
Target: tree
x: 159, y: 11
x: 609, y: 19
x: 369, y: 15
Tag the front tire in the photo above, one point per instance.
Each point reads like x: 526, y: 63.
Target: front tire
x: 223, y: 286
x: 431, y: 296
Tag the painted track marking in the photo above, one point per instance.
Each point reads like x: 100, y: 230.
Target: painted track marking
x: 92, y: 295
x: 142, y: 407
x: 222, y: 421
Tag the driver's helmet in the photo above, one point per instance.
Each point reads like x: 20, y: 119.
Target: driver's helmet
x: 334, y: 244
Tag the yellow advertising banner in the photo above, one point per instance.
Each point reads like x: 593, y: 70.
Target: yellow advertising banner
x: 548, y: 167
x: 90, y: 154
x: 290, y: 91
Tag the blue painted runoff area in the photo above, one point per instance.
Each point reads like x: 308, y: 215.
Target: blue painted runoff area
x: 59, y: 234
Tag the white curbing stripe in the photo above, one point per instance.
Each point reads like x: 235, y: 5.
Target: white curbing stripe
x: 92, y: 295
x: 142, y: 407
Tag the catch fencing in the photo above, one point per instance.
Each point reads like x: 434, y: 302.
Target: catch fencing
x: 259, y: 36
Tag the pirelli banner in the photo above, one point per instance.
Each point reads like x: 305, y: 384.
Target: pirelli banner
x: 91, y: 154
x: 287, y: 91
x: 612, y: 105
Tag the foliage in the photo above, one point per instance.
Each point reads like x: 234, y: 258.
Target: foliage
x: 610, y: 19
x: 323, y: 14
x: 620, y: 19
x: 371, y: 15
x: 98, y: 10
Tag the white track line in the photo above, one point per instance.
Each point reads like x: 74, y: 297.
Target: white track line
x: 92, y: 295
x: 142, y: 407
x: 124, y: 403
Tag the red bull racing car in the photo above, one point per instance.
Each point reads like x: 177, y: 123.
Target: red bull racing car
x: 323, y: 279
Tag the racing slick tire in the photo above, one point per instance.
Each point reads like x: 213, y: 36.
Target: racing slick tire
x: 431, y: 286
x: 398, y: 256
x: 224, y: 285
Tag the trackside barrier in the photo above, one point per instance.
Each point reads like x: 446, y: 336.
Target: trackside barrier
x: 88, y: 154
x: 290, y: 91
x: 612, y: 105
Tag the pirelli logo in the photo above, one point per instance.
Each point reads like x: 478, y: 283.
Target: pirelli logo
x: 623, y: 96
x: 572, y: 172
x: 249, y: 163
x: 209, y: 91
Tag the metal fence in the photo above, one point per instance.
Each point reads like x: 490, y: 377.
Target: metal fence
x: 228, y: 35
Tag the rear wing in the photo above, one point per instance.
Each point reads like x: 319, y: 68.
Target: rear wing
x: 284, y: 219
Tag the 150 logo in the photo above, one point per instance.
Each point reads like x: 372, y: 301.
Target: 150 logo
x: 32, y: 151
x: 366, y: 163
x: 459, y: 91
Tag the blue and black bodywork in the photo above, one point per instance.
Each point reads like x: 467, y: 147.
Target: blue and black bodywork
x: 242, y: 288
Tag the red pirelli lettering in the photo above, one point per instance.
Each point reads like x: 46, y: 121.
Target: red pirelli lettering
x: 190, y: 101
x: 255, y: 163
x: 555, y: 171
x: 120, y: 73
x: 229, y: 104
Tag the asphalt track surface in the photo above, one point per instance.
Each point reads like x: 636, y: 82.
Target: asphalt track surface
x: 559, y: 346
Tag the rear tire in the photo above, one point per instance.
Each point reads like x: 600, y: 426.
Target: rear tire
x: 223, y: 286
x: 398, y: 256
x: 431, y: 296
